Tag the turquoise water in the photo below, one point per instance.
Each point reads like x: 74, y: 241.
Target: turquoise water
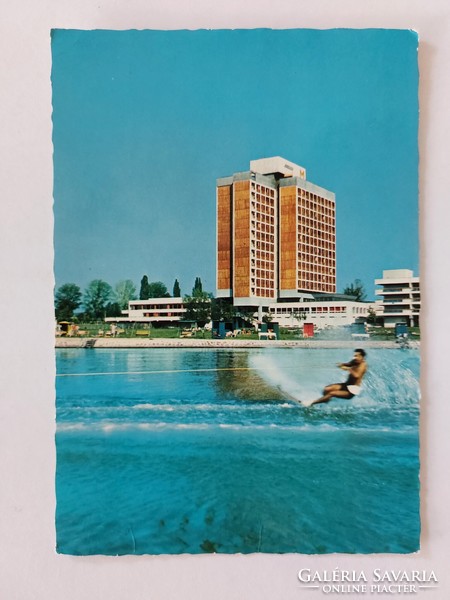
x: 168, y: 451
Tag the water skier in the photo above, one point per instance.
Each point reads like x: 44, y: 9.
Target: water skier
x: 350, y: 388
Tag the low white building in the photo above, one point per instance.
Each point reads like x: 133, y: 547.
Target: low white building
x: 331, y: 313
x: 154, y: 310
x: 400, y: 298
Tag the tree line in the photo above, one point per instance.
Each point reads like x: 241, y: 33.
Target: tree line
x: 100, y: 299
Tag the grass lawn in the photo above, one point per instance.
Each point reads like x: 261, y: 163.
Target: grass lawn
x: 101, y: 329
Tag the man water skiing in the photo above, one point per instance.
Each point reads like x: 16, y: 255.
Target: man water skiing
x: 352, y: 387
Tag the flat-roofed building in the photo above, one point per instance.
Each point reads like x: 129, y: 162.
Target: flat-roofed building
x: 307, y: 257
x: 276, y: 234
x: 156, y: 311
x: 247, y: 238
x: 400, y: 302
x: 331, y: 313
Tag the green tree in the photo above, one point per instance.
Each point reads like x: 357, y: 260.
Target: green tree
x: 372, y: 317
x: 267, y: 318
x: 144, y: 291
x: 67, y: 300
x: 112, y: 309
x: 176, y: 289
x: 222, y: 309
x: 125, y: 291
x: 198, y: 308
x: 197, y: 290
x: 357, y: 290
x: 247, y: 313
x: 299, y: 316
x: 157, y: 289
x: 96, y: 297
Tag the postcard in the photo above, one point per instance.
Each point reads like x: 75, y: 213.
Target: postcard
x: 237, y: 300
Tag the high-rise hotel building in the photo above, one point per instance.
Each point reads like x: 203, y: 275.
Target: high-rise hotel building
x: 276, y: 235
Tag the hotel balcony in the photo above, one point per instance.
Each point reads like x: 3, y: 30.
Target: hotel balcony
x: 390, y: 300
x: 396, y: 313
x: 399, y: 282
x: 404, y: 291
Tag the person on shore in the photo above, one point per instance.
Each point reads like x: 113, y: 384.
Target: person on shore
x: 352, y: 387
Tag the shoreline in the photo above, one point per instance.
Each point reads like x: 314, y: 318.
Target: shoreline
x: 227, y: 343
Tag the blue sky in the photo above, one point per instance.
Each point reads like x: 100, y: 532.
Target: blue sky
x: 145, y: 121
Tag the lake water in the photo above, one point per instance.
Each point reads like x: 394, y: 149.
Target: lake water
x: 169, y: 451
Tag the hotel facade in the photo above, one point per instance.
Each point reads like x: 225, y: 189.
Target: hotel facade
x: 154, y: 311
x: 400, y: 298
x: 276, y: 235
x: 322, y: 313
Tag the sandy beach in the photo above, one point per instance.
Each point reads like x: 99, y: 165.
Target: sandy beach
x: 228, y: 343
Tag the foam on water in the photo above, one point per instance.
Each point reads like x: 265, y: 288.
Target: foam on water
x: 201, y: 460
x: 120, y: 427
x: 388, y: 382
x: 273, y: 372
